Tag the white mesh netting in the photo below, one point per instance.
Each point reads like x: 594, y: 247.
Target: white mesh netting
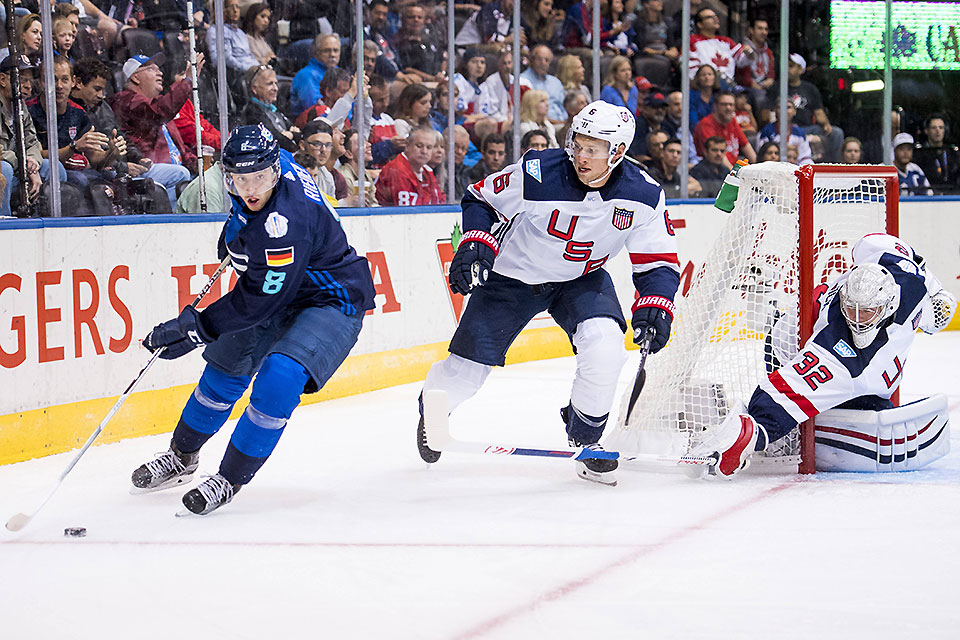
x: 740, y: 317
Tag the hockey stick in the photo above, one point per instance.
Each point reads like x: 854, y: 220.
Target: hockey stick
x: 641, y: 372
x: 437, y: 427
x: 196, y: 107
x: 20, y: 520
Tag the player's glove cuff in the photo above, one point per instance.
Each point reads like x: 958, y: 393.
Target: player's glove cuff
x: 655, y: 301
x: 482, y: 237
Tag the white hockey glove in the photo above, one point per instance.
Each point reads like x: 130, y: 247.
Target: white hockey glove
x: 733, y: 442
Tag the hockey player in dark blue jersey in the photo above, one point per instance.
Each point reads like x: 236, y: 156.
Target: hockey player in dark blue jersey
x: 866, y: 324
x: 291, y: 320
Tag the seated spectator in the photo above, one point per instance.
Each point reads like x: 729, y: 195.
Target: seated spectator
x: 412, y: 109
x: 383, y: 130
x: 570, y: 72
x: 261, y: 82
x: 769, y: 152
x: 37, y: 168
x: 340, y: 189
x: 616, y: 29
x: 489, y: 27
x: 494, y: 150
x: 305, y: 88
x: 542, y: 23
x: 388, y: 61
x: 702, y: 88
x: 407, y: 180
x: 533, y: 115
x: 535, y: 139
x: 797, y: 139
x: 186, y: 123
x: 667, y: 174
x: 145, y: 113
x: 316, y: 142
x: 619, y: 87
x: 573, y: 103
x: 256, y: 24
x: 29, y: 37
x: 420, y: 55
x: 537, y: 74
x: 497, y: 96
x: 939, y: 161
x: 349, y: 169
x: 744, y: 115
x: 90, y: 81
x: 651, y: 116
x: 671, y: 120
x: 189, y: 200
x: 852, y: 151
x: 811, y: 116
x: 577, y: 27
x: 82, y: 150
x: 338, y: 89
x: 236, y: 45
x: 652, y: 35
x: 793, y: 154
x: 655, y: 142
x: 467, y: 81
x: 913, y: 182
x: 710, y: 172
x: 461, y: 144
x: 64, y: 35
x: 722, y: 123
x: 706, y: 45
x: 759, y: 75
x: 437, y: 161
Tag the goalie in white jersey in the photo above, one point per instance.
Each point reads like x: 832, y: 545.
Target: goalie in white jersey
x: 866, y: 323
x: 537, y: 236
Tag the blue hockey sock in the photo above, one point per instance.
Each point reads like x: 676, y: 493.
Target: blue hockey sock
x: 208, y: 408
x: 276, y: 393
x: 581, y: 428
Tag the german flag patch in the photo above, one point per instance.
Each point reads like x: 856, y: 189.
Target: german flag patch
x: 279, y: 257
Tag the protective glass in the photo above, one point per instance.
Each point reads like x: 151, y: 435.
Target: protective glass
x: 255, y: 183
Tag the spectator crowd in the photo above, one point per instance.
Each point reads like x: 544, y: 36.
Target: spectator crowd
x: 126, y: 117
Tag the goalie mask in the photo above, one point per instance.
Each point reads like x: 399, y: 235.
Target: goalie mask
x: 868, y: 297
x: 251, y: 160
x: 603, y: 121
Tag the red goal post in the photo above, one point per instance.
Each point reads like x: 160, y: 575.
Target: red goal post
x: 750, y: 306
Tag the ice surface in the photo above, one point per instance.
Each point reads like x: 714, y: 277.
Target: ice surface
x: 345, y: 533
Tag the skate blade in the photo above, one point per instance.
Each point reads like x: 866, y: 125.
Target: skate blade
x: 608, y: 479
x: 186, y: 513
x: 169, y: 484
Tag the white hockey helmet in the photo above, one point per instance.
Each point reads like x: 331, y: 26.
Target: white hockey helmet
x: 603, y: 121
x: 868, y: 297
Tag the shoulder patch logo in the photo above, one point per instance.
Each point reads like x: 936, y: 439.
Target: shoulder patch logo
x: 533, y: 168
x: 622, y: 218
x: 844, y: 350
x: 276, y: 225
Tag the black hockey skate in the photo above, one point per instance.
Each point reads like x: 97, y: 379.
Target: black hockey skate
x: 593, y: 469
x: 168, y: 469
x: 429, y: 455
x: 209, y: 495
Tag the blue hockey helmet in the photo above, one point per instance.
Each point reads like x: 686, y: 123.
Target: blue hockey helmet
x: 251, y: 149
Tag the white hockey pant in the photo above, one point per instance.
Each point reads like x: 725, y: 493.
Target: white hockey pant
x: 459, y: 377
x: 600, y: 357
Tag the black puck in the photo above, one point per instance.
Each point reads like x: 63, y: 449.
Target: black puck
x: 75, y: 532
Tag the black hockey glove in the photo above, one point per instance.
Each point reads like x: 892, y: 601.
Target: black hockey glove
x: 658, y: 317
x: 473, y: 261
x: 180, y: 336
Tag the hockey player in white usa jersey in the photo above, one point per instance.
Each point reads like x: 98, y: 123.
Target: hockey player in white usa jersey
x: 866, y: 323
x: 537, y: 236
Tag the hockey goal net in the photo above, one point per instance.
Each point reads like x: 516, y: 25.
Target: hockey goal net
x: 751, y: 304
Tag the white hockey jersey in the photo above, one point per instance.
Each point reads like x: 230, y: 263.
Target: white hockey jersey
x: 552, y: 228
x: 829, y: 370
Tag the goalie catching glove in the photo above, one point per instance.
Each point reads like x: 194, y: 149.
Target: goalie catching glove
x: 473, y: 261
x: 732, y: 443
x: 179, y: 336
x: 656, y: 312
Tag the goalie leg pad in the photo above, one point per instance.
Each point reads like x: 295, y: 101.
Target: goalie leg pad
x: 600, y: 358
x: 459, y: 377
x: 899, y: 439
x: 733, y: 443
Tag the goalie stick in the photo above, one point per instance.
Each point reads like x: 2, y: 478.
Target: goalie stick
x: 437, y: 427
x: 20, y: 520
x: 641, y: 379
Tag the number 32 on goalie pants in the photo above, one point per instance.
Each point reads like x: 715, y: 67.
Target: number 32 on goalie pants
x: 574, y: 251
x: 812, y: 371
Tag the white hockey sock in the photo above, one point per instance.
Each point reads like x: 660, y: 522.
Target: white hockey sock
x: 459, y: 377
x: 600, y: 357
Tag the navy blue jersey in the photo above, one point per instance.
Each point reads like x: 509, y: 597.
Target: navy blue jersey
x: 71, y: 124
x: 291, y: 252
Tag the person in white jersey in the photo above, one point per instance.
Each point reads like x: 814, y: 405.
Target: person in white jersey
x: 537, y: 235
x: 866, y: 323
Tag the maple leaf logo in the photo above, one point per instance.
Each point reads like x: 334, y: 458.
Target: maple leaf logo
x: 719, y: 61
